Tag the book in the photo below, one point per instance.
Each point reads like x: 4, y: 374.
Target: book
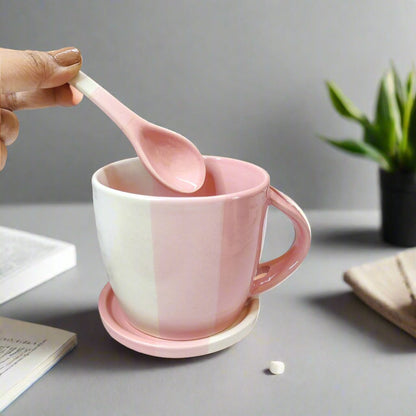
x: 388, y: 286
x: 28, y: 351
x: 27, y: 260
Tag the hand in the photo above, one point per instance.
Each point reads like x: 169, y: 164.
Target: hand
x: 33, y: 79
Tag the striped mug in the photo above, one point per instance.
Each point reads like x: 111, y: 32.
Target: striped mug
x: 183, y: 266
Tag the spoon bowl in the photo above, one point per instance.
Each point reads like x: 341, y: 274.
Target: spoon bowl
x: 170, y: 157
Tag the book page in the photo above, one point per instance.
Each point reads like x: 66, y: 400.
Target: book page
x: 27, y: 351
x: 28, y: 260
x: 20, y: 249
x: 15, y: 349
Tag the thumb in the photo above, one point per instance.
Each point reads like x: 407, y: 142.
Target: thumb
x: 31, y: 70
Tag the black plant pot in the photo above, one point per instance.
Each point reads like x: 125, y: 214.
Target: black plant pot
x: 398, y: 208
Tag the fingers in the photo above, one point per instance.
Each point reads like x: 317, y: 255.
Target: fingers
x: 65, y: 96
x: 32, y: 70
x: 3, y: 155
x: 34, y: 79
x: 9, y: 129
x: 9, y: 126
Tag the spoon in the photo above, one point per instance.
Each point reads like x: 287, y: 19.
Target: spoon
x: 171, y: 158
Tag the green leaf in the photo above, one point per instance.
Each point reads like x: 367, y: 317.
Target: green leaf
x: 410, y: 82
x: 403, y: 149
x: 388, y: 120
x: 410, y: 151
x: 360, y: 148
x: 372, y: 136
x: 400, y: 89
x: 412, y: 125
x: 344, y: 106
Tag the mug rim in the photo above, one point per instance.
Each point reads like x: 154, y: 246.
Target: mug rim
x: 265, y: 183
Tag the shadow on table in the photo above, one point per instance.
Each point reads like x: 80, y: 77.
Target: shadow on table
x: 354, y: 237
x: 96, y: 350
x: 349, y: 309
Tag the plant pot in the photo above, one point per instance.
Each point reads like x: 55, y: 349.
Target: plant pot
x: 398, y: 208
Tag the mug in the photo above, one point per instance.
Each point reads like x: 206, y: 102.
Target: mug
x: 183, y: 266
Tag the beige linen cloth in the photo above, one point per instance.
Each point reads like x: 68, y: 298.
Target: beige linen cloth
x: 389, y: 287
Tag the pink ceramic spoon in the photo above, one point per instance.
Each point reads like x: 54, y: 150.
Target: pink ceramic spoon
x: 168, y: 156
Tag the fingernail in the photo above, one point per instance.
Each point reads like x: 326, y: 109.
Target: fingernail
x: 66, y: 56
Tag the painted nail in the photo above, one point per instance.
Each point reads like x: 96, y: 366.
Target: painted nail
x: 66, y: 56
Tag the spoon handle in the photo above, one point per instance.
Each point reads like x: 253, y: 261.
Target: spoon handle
x: 117, y: 111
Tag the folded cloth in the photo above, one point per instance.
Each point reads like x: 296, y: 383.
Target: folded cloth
x: 389, y: 287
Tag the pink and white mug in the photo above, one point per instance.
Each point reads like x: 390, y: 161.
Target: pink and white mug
x: 182, y: 267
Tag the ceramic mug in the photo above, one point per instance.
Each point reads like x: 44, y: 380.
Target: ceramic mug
x: 182, y: 267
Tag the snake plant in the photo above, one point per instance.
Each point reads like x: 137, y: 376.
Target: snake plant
x: 390, y: 138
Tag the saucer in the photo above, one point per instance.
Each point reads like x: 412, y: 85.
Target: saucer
x: 118, y: 326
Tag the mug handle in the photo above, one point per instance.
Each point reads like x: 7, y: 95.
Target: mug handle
x: 273, y: 272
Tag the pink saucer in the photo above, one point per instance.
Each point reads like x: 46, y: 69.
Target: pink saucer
x: 117, y: 325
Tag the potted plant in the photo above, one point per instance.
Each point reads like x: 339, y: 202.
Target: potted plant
x: 390, y: 141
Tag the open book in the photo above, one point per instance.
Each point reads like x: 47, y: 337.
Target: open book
x: 27, y: 351
x: 27, y: 260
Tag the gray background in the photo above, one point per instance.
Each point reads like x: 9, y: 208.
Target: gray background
x: 243, y: 79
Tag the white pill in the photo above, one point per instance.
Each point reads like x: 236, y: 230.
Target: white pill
x: 277, y: 367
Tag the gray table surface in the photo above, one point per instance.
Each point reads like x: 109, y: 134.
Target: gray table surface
x: 341, y: 357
